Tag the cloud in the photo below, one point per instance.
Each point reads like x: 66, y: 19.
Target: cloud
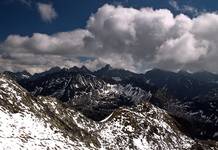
x: 62, y: 43
x: 174, y: 4
x: 26, y: 2
x: 182, y: 50
x: 135, y: 39
x: 184, y: 8
x: 47, y: 12
x: 149, y: 37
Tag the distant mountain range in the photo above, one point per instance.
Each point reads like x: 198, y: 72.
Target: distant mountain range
x: 112, y: 108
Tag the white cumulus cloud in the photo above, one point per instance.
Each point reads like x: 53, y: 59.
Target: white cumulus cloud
x: 184, y: 8
x: 47, y: 12
x: 135, y: 39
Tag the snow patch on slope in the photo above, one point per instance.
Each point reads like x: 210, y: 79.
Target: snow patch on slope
x: 25, y: 131
x: 142, y: 129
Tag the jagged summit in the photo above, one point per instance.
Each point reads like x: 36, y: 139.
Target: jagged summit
x: 158, y: 71
x: 54, y: 69
x: 107, y: 67
x: 117, y: 74
x: 18, y: 75
x: 183, y: 72
x: 84, y: 68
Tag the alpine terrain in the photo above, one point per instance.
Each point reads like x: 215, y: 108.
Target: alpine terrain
x: 108, y: 109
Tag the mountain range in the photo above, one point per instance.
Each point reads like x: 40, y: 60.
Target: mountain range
x: 109, y: 108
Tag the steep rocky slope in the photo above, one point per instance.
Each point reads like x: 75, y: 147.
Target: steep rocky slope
x: 83, y: 91
x: 190, y: 97
x: 27, y: 122
x: 45, y: 123
x: 143, y: 127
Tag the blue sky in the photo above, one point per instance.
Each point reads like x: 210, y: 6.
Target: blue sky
x: 19, y: 18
